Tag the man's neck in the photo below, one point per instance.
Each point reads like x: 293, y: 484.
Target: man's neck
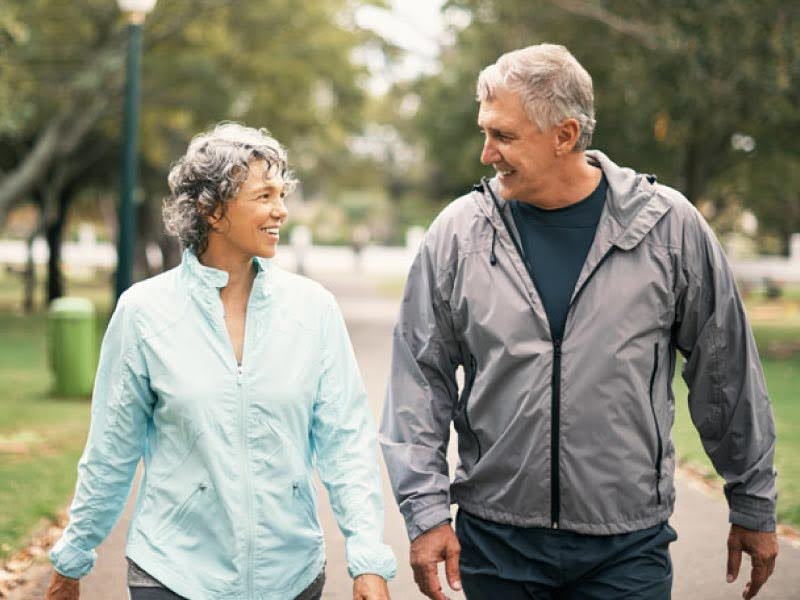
x: 572, y: 181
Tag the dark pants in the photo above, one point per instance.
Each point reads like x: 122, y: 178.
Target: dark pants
x: 521, y: 563
x: 312, y: 592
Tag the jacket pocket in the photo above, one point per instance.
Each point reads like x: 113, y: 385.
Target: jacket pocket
x: 463, y: 404
x: 302, y: 495
x: 659, y: 441
x: 178, y: 520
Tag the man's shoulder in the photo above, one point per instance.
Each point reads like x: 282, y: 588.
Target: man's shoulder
x: 458, y: 215
x: 682, y: 211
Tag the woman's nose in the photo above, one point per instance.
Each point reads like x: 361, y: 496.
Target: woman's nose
x: 279, y: 211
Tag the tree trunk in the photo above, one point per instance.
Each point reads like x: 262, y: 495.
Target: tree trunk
x: 29, y: 275
x: 54, y: 232
x: 693, y: 184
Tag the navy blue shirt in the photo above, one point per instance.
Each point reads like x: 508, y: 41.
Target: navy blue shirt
x: 556, y: 243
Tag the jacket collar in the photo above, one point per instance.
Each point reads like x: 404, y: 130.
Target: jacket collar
x: 207, y: 280
x: 632, y: 207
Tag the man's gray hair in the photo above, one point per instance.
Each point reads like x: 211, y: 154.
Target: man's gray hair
x: 211, y: 173
x: 552, y: 84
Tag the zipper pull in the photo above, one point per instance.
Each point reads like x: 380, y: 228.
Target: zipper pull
x: 557, y: 346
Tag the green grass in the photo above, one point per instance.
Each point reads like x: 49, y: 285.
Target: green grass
x: 783, y: 381
x: 41, y: 437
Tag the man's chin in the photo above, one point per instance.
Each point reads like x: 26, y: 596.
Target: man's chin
x: 506, y: 191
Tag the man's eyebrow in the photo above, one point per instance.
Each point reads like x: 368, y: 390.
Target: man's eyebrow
x: 496, y: 131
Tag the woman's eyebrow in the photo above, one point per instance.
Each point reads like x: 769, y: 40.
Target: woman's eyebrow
x: 268, y: 187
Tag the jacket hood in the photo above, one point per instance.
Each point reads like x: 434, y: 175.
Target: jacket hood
x: 633, y: 204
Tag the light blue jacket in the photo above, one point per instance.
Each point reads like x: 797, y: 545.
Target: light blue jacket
x: 227, y: 507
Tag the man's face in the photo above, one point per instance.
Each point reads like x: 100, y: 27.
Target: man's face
x: 520, y: 153
x: 252, y: 217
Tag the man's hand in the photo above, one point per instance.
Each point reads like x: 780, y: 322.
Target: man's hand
x: 62, y: 588
x: 427, y: 551
x: 762, y: 546
x: 370, y: 587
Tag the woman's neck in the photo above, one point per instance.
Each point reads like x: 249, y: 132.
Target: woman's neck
x: 240, y: 269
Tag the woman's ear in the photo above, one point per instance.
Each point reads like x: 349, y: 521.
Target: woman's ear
x: 214, y: 218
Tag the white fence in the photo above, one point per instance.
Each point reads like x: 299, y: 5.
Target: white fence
x: 379, y: 261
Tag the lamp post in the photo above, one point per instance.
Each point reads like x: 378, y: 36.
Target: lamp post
x: 136, y: 10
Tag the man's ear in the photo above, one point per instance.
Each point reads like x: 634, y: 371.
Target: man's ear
x: 567, y: 134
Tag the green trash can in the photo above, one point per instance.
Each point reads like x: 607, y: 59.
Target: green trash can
x: 72, y: 346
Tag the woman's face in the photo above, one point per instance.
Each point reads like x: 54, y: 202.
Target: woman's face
x: 252, y: 219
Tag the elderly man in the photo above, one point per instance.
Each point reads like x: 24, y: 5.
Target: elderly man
x: 563, y: 287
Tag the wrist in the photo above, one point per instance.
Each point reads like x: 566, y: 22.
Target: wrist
x: 369, y: 576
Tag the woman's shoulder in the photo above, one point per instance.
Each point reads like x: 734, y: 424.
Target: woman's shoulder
x: 294, y: 286
x: 157, y: 300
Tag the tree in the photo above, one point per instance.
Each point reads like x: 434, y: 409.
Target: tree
x: 674, y: 82
x: 273, y: 63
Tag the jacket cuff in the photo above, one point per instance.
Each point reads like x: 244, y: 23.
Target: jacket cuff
x: 757, y: 514
x: 377, y: 559
x: 71, y: 561
x: 427, y: 518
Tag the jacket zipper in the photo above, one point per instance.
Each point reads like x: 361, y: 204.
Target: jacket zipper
x: 555, y: 384
x: 555, y: 474
x: 244, y: 454
x: 659, y: 447
x: 555, y: 411
x: 244, y: 461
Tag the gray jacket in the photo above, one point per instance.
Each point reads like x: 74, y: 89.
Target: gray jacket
x: 574, y: 433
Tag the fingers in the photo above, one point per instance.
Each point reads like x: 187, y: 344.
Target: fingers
x: 427, y: 579
x: 758, y: 577
x: 453, y: 552
x: 734, y: 558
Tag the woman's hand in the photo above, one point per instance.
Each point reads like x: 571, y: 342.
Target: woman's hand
x: 62, y: 588
x: 370, y: 587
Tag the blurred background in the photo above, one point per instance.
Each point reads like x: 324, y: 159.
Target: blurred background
x: 375, y: 102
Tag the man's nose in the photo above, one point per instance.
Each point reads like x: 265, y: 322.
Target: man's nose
x: 489, y: 154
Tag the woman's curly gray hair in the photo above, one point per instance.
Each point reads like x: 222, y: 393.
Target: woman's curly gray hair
x: 210, y: 174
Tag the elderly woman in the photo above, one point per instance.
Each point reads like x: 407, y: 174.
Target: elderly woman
x: 232, y: 379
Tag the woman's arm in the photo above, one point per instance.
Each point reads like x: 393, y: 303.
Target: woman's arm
x: 345, y: 442
x: 122, y: 403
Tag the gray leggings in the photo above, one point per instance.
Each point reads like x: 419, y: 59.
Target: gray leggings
x: 312, y: 592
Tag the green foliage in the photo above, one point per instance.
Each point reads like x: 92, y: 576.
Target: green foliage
x: 673, y: 83
x: 277, y: 64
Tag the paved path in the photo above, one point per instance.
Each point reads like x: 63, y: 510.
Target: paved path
x: 700, y: 519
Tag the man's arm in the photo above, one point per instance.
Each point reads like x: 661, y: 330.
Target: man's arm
x: 727, y: 396
x: 415, y: 430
